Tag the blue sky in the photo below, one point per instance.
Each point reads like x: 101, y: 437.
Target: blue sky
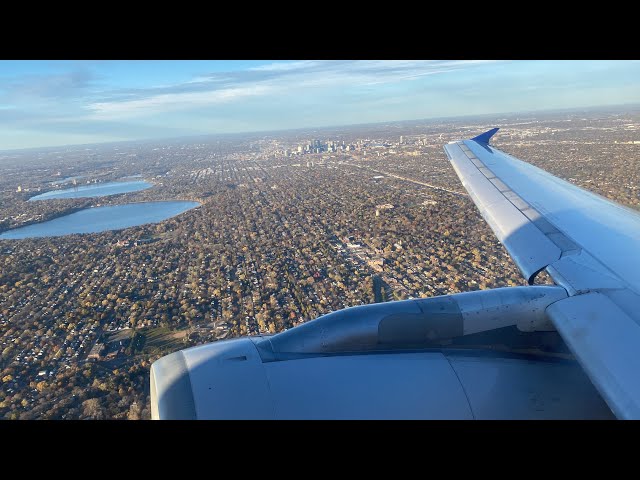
x: 48, y: 103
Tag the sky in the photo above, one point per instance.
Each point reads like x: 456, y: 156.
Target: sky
x: 52, y: 103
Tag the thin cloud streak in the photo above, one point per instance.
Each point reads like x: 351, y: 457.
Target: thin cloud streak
x: 270, y: 79
x: 48, y: 86
x: 284, y: 67
x: 172, y: 101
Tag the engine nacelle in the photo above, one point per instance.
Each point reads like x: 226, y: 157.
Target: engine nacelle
x: 419, y: 322
x: 384, y: 360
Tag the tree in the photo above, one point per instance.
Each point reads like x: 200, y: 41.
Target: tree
x: 134, y: 412
x: 91, y: 408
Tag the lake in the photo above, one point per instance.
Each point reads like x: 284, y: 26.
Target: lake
x: 100, y: 219
x: 94, y: 190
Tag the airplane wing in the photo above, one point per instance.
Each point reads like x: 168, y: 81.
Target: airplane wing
x: 588, y: 245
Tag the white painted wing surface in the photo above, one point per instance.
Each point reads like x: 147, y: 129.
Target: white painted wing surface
x: 588, y: 244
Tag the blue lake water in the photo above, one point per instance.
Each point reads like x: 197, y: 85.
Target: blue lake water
x: 95, y: 190
x: 100, y: 219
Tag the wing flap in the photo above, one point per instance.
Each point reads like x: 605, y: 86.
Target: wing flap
x: 605, y: 340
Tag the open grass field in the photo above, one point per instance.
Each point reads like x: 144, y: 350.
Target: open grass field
x: 160, y: 340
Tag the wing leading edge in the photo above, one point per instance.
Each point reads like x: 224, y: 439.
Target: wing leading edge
x: 586, y: 243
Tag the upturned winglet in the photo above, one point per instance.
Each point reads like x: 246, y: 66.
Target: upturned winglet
x: 486, y: 136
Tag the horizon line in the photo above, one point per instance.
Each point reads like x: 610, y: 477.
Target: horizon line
x: 252, y: 132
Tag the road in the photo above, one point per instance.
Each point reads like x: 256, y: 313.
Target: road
x: 378, y: 286
x: 406, y: 179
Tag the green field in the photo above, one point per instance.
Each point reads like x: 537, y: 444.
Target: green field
x: 160, y: 339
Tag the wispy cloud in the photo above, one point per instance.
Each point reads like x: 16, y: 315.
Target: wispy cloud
x: 285, y: 67
x: 173, y: 101
x: 43, y: 87
x: 269, y: 79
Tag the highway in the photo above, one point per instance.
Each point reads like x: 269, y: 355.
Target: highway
x: 454, y: 192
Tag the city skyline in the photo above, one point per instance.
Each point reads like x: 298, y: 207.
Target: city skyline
x: 56, y: 103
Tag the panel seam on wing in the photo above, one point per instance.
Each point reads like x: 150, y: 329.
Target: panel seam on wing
x: 464, y: 390
x: 565, y: 244
x: 567, y: 247
x: 267, y: 379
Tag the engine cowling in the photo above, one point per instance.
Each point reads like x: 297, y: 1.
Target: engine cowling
x: 410, y: 359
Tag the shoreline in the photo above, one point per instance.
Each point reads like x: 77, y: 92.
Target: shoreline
x: 80, y: 209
